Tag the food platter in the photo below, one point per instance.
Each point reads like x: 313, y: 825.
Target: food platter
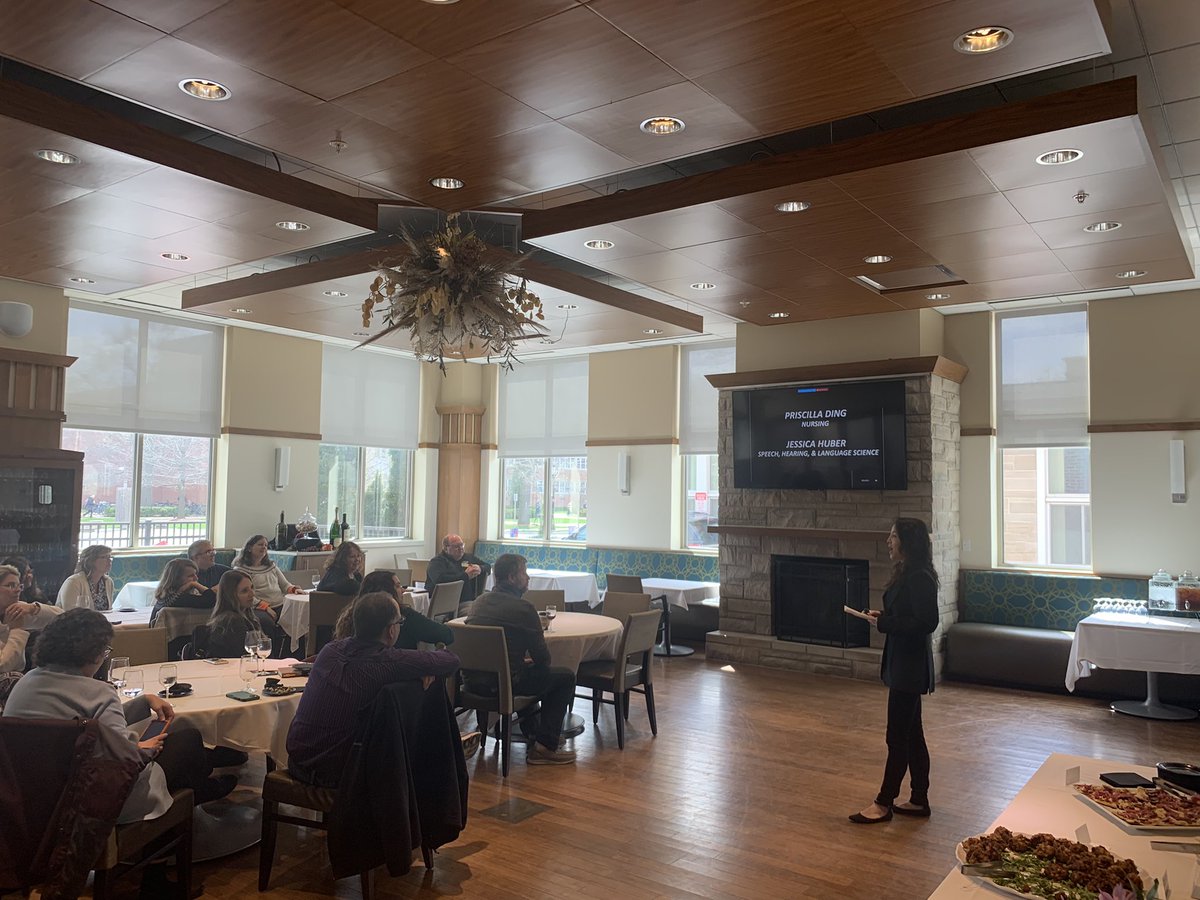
x: 1040, y: 866
x: 1143, y: 809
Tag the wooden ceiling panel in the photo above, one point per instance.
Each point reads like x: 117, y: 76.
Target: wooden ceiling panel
x: 1105, y: 191
x: 976, y: 213
x: 221, y: 240
x: 826, y: 200
x: 709, y: 124
x: 62, y: 277
x: 199, y: 198
x: 1155, y: 269
x: 946, y: 176
x: 1029, y: 286
x: 152, y: 76
x: 98, y: 167
x: 284, y: 38
x: 739, y: 253
x: 75, y: 39
x: 653, y: 268
x: 166, y: 17
x: 321, y: 229
x: 1019, y: 266
x: 1137, y: 221
x: 117, y: 214
x: 692, y: 225
x: 726, y: 297
x: 21, y: 195
x: 625, y: 244
x: 1118, y: 255
x: 442, y: 106
x: 955, y: 249
x: 566, y: 64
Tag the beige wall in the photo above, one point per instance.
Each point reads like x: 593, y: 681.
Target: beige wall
x: 917, y: 332
x: 49, y: 334
x: 633, y: 394
x: 977, y: 502
x: 272, y: 382
x: 970, y: 341
x: 245, y: 500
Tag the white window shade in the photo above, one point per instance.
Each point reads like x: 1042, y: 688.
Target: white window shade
x: 698, y: 398
x: 369, y: 399
x: 1042, y: 379
x: 544, y: 409
x: 143, y: 373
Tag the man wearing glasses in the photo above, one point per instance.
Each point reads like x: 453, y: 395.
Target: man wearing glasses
x: 208, y: 571
x: 455, y: 564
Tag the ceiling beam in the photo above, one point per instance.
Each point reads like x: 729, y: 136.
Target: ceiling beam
x: 1012, y: 121
x: 106, y: 129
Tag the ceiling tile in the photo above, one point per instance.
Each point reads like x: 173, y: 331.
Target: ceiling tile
x: 978, y: 213
x: 1189, y: 157
x: 165, y: 17
x: 701, y: 224
x: 1124, y: 33
x: 1105, y: 190
x: 1178, y: 73
x: 115, y: 213
x: 1168, y: 25
x: 173, y: 190
x: 571, y: 245
x: 947, y: 176
x: 1006, y: 267
x: 1120, y: 255
x: 1138, y: 221
x: 954, y: 250
x: 76, y: 40
x: 1176, y: 269
x: 21, y: 195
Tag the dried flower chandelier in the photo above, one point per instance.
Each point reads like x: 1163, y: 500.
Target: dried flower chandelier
x: 455, y: 295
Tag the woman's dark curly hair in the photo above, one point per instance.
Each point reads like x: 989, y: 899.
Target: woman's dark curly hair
x: 74, y: 639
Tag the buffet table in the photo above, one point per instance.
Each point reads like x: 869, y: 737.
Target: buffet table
x: 1138, y: 642
x: 1048, y: 804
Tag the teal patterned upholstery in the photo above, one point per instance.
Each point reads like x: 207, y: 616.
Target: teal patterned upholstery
x: 149, y: 566
x: 572, y: 557
x: 1056, y: 602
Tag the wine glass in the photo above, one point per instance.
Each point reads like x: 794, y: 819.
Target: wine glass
x: 316, y: 579
x: 248, y: 667
x: 167, y: 676
x: 263, y: 648
x: 551, y: 612
x: 116, y: 671
x: 133, y: 683
x: 251, y: 644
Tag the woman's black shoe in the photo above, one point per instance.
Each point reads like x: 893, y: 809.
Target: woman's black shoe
x: 227, y: 757
x: 918, y: 812
x: 860, y: 819
x: 215, y: 788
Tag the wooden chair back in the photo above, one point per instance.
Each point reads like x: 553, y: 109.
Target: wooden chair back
x: 542, y: 599
x: 142, y: 645
x: 405, y: 576
x: 620, y: 606
x: 419, y: 569
x: 625, y: 584
x: 443, y: 601
x: 324, y: 607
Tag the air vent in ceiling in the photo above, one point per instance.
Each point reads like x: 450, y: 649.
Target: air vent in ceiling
x: 919, y: 279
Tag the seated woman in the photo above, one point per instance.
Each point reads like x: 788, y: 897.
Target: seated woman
x: 414, y: 627
x: 269, y: 583
x: 234, y: 614
x: 30, y: 592
x: 70, y: 650
x: 18, y: 620
x: 179, y: 588
x: 90, y: 586
x: 345, y: 573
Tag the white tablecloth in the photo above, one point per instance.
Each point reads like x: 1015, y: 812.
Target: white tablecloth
x: 136, y: 593
x: 577, y: 587
x: 1136, y: 642
x: 1047, y: 803
x: 679, y: 592
x: 579, y: 637
x: 139, y: 618
x: 293, y: 616
x: 257, y: 725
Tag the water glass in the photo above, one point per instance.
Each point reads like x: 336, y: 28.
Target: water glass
x: 247, y: 668
x: 551, y: 612
x: 316, y: 579
x: 167, y: 676
x: 133, y: 683
x: 251, y: 643
x: 116, y: 671
x: 263, y: 648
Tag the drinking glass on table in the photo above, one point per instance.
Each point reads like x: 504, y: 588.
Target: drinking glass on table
x: 263, y: 649
x: 116, y: 671
x: 316, y: 579
x: 167, y: 676
x: 248, y: 667
x: 251, y: 645
x: 551, y: 612
x: 133, y: 682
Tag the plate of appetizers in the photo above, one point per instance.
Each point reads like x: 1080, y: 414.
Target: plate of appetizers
x: 1144, y: 809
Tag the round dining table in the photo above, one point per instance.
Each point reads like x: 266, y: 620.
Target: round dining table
x: 293, y: 615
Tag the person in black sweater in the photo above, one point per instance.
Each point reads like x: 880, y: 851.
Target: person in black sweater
x: 345, y: 573
x: 233, y: 615
x: 179, y: 587
x: 908, y: 619
x: 455, y: 564
x: 414, y: 627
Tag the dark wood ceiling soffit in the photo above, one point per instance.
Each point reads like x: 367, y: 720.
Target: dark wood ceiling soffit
x: 36, y: 107
x: 1082, y: 106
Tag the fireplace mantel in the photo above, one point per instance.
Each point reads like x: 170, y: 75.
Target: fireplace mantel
x: 870, y: 369
x: 833, y: 534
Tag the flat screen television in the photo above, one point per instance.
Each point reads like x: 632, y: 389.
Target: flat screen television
x: 848, y: 436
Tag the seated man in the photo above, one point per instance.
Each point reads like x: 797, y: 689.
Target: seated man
x: 454, y: 564
x: 347, y: 676
x: 17, y: 620
x: 208, y: 570
x: 505, y: 606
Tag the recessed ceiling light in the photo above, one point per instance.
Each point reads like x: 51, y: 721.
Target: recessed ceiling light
x: 651, y: 331
x: 937, y: 296
x: 1131, y: 273
x: 1097, y: 227
x: 335, y: 293
x: 662, y: 125
x: 292, y: 226
x: 446, y: 183
x: 1059, y: 157
x: 702, y: 286
x: 876, y: 259
x: 567, y: 306
x: 174, y: 256
x: 983, y: 40
x: 778, y: 315
x: 599, y: 245
x: 241, y: 310
x: 792, y: 206
x: 61, y: 157
x: 203, y: 89
x: 81, y: 280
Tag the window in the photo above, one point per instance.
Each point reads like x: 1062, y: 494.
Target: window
x: 698, y: 438
x: 530, y: 513
x: 1045, y: 461
x: 142, y: 490
x: 371, y: 485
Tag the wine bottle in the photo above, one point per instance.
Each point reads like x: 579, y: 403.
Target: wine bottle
x: 345, y: 528
x: 281, y: 533
x: 335, y: 531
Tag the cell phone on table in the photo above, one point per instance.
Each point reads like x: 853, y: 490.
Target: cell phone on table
x: 157, y: 727
x: 216, y: 661
x: 242, y: 696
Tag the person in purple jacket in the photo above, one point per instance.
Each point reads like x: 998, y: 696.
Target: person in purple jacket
x: 345, y: 679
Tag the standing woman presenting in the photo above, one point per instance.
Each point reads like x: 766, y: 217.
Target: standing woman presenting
x: 909, y: 619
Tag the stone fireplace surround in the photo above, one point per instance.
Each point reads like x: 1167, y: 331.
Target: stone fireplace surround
x: 756, y: 524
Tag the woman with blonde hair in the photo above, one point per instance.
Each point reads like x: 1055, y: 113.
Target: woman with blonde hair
x: 90, y: 587
x: 178, y: 587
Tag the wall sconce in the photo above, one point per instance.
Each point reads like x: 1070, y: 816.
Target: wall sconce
x: 283, y: 467
x: 623, y: 471
x: 16, y: 319
x: 1178, y: 478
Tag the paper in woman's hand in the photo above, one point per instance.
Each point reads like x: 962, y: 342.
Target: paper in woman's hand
x: 857, y: 613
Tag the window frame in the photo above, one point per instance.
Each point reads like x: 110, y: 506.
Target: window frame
x: 361, y: 487
x: 683, y: 507
x: 548, y: 492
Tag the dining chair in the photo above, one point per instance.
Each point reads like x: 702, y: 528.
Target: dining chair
x: 629, y: 671
x: 197, y: 647
x: 443, y: 601
x: 619, y: 606
x: 542, y: 599
x: 142, y: 645
x: 624, y: 584
x: 483, y: 653
x: 324, y: 607
x: 419, y: 569
x: 405, y: 576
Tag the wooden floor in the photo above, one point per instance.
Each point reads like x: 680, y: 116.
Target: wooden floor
x: 743, y: 794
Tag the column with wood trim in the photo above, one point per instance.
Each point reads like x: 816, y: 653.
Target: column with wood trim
x: 459, y: 455
x: 31, y: 397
